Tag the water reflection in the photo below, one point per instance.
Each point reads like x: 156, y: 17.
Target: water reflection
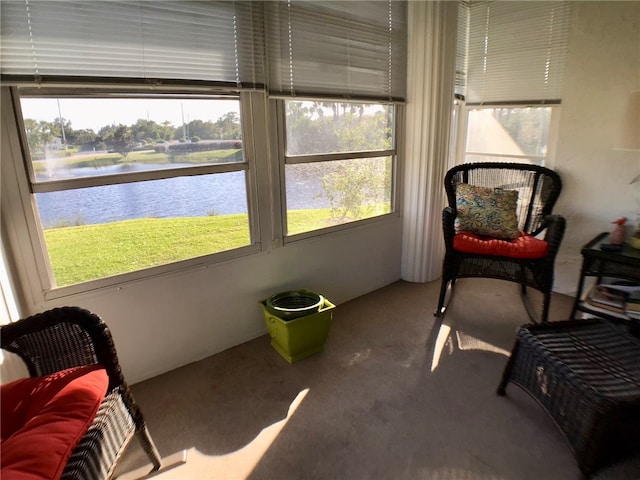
x: 192, y: 196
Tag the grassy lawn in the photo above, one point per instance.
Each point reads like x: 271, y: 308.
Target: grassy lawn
x: 88, y: 252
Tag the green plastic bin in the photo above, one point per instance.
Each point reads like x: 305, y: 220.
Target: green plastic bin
x: 300, y: 337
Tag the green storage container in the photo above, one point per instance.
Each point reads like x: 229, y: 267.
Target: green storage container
x: 300, y: 337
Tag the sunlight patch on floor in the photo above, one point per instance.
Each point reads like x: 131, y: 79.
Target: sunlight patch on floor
x: 237, y: 465
x: 468, y: 342
x: 441, y: 341
x: 445, y: 343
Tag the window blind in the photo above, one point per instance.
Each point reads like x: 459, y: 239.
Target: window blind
x: 516, y: 51
x: 462, y: 48
x: 216, y: 41
x: 350, y: 49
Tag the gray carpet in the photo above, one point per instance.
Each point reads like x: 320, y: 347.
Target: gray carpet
x: 393, y: 396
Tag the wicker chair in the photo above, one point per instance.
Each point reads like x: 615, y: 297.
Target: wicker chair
x: 68, y: 337
x: 538, y: 190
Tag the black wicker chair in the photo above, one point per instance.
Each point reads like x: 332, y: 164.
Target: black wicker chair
x: 68, y: 337
x: 538, y: 190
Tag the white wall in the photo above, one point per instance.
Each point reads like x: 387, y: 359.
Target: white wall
x: 603, y: 70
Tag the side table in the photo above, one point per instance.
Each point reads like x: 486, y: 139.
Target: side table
x: 586, y: 375
x: 598, y: 263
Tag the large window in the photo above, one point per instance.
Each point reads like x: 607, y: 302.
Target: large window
x: 339, y: 162
x: 144, y: 132
x: 127, y: 183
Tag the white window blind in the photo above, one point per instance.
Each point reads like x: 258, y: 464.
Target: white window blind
x: 462, y: 48
x: 516, y: 51
x: 350, y: 49
x: 216, y: 41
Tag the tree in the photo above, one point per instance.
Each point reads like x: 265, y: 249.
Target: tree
x: 86, y: 139
x: 34, y: 139
x: 60, y: 128
x: 166, y: 131
x: 145, y: 130
x: 47, y: 132
x: 352, y: 185
x: 203, y: 130
x: 121, y: 140
x: 228, y: 127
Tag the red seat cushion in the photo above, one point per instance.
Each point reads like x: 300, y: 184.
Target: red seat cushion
x: 525, y: 246
x: 44, y: 418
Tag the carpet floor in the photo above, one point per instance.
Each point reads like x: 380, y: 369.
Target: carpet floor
x: 394, y: 395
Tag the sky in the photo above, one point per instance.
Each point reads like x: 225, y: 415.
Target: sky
x: 95, y: 113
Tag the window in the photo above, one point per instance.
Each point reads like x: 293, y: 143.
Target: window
x: 339, y: 162
x: 509, y: 134
x: 337, y: 110
x: 509, y: 77
x: 127, y: 183
x: 138, y: 121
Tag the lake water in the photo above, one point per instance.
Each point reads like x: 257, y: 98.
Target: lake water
x: 192, y: 196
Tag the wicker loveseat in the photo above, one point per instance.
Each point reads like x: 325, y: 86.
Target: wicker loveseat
x: 76, y: 383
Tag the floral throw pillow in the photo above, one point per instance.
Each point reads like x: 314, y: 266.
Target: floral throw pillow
x: 487, y: 211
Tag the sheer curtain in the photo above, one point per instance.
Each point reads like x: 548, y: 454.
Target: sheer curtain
x: 430, y: 90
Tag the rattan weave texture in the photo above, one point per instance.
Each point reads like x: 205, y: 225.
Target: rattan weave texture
x: 586, y: 375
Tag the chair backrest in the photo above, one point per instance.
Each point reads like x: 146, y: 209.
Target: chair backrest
x: 538, y: 187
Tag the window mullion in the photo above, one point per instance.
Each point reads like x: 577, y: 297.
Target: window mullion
x: 121, y: 178
x: 328, y: 157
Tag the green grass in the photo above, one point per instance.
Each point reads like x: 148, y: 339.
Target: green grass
x: 88, y: 252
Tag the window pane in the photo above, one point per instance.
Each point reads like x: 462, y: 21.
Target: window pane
x: 96, y: 232
x: 324, y: 194
x: 79, y: 137
x: 522, y: 131
x: 330, y: 127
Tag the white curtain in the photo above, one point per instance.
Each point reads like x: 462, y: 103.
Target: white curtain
x: 431, y: 79
x: 430, y: 88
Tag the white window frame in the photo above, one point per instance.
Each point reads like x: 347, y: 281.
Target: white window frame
x: 279, y: 110
x: 249, y: 107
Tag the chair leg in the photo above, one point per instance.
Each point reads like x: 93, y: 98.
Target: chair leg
x: 506, y: 375
x: 148, y: 446
x: 446, y: 290
x: 546, y: 301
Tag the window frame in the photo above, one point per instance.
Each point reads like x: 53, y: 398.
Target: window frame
x: 278, y: 106
x: 462, y: 132
x: 24, y: 171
